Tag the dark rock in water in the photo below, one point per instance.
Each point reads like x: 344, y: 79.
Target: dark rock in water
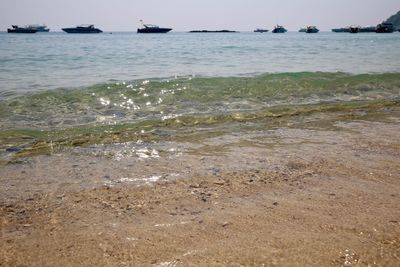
x: 13, y: 149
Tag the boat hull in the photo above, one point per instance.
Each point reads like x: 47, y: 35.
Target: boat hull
x: 367, y: 29
x: 261, y: 30
x: 207, y: 31
x: 384, y: 28
x: 21, y: 30
x: 76, y: 30
x: 279, y: 30
x: 153, y: 30
x: 354, y: 30
x: 341, y: 30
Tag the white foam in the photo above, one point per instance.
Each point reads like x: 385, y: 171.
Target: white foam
x: 145, y: 180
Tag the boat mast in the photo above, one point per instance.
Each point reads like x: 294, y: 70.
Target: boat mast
x: 141, y: 21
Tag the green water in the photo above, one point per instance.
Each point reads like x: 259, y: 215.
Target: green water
x: 157, y: 109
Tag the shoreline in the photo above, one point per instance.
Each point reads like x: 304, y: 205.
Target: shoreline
x: 321, y: 191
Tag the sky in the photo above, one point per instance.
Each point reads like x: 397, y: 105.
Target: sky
x: 184, y: 15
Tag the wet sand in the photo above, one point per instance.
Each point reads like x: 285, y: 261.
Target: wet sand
x: 319, y: 194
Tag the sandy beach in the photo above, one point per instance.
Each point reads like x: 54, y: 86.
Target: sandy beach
x: 322, y: 192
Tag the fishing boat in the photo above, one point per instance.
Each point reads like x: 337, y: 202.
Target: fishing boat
x: 279, y: 29
x: 385, y: 28
x: 261, y: 30
x: 150, y: 28
x: 17, y: 29
x: 85, y: 28
x: 312, y: 29
x: 39, y: 28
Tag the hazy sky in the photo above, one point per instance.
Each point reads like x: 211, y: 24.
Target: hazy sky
x: 182, y: 15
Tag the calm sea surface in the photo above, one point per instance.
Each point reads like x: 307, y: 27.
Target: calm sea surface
x: 43, y: 61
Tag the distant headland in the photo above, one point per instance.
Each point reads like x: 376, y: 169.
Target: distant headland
x: 395, y: 20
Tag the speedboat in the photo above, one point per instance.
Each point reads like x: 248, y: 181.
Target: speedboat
x: 385, y: 28
x: 279, y: 29
x: 261, y: 30
x: 312, y: 29
x: 85, y: 28
x: 17, y: 29
x: 39, y: 28
x: 150, y: 28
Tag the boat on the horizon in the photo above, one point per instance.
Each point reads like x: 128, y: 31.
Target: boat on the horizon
x: 150, y: 28
x: 212, y: 31
x: 279, y: 29
x: 39, y: 28
x: 367, y: 29
x: 354, y: 29
x: 303, y: 30
x: 84, y: 28
x: 312, y: 29
x: 17, y: 29
x: 346, y: 29
x: 385, y: 28
x: 261, y: 30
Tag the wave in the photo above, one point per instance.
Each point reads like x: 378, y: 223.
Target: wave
x: 113, y: 110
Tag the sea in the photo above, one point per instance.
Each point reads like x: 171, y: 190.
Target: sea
x: 65, y: 90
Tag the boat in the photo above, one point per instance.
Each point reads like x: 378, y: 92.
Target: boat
x: 347, y: 29
x: 312, y: 29
x: 17, y: 29
x: 303, y: 30
x: 385, y: 28
x: 39, y: 28
x: 261, y: 30
x: 150, y: 28
x: 368, y: 29
x: 354, y: 29
x: 85, y: 28
x: 212, y: 31
x: 279, y: 29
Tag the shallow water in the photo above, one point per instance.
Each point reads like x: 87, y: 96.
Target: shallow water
x: 59, y: 90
